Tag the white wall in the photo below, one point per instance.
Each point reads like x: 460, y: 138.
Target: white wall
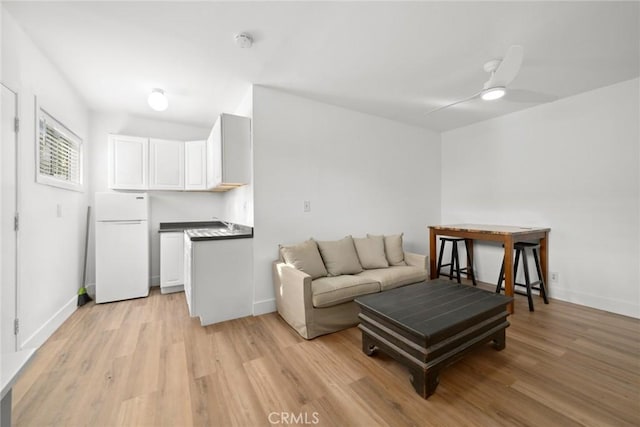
x: 571, y: 165
x: 50, y: 247
x: 164, y: 205
x: 362, y: 174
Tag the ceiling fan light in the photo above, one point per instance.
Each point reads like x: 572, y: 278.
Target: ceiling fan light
x: 493, y: 93
x: 158, y: 100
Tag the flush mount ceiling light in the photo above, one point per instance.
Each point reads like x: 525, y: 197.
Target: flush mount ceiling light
x: 244, y: 40
x: 158, y: 100
x: 493, y: 93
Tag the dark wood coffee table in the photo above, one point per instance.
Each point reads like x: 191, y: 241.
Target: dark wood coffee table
x: 427, y: 326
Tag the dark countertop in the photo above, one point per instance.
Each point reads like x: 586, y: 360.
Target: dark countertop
x: 207, y: 230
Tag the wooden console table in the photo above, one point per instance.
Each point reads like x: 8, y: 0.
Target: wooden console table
x: 507, y: 235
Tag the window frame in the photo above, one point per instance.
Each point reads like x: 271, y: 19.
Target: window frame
x: 68, y: 134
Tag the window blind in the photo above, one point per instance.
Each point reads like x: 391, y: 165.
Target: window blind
x: 60, y: 154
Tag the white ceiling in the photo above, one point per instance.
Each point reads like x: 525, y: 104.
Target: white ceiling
x: 395, y: 60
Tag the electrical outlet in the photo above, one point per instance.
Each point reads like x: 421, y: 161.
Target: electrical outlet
x: 307, y: 206
x: 555, y: 276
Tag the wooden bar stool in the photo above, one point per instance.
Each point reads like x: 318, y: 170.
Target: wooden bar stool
x: 538, y: 285
x: 454, y: 265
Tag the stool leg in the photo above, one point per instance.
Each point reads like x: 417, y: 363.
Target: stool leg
x: 455, y: 254
x: 440, y: 258
x: 500, y: 278
x: 527, y: 280
x: 516, y: 263
x: 452, y: 261
x: 543, y: 290
x: 470, y: 271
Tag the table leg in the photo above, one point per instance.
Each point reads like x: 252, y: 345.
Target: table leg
x: 432, y: 253
x: 544, y: 258
x: 470, y: 268
x: 508, y: 270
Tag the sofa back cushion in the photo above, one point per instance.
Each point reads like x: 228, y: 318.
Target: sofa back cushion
x: 393, y: 248
x: 305, y: 257
x: 340, y: 256
x: 371, y: 252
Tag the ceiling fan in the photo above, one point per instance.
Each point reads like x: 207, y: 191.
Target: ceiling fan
x: 502, y: 72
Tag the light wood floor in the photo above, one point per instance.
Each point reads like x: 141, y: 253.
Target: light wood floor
x: 145, y: 362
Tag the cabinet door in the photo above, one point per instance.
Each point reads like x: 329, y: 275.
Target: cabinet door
x: 236, y: 149
x: 166, y: 164
x: 195, y: 165
x: 128, y: 160
x: 214, y: 156
x: 171, y: 259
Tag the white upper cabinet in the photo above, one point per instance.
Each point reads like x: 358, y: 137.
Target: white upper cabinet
x: 221, y: 163
x: 229, y: 153
x: 128, y: 162
x: 166, y: 164
x: 195, y: 165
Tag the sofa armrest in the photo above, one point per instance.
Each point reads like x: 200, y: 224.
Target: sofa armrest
x: 416, y: 260
x: 292, y: 289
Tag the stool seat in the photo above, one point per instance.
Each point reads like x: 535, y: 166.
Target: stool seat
x: 454, y: 265
x: 521, y: 249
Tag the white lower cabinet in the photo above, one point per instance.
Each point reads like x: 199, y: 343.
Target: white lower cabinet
x: 171, y: 262
x: 218, y: 279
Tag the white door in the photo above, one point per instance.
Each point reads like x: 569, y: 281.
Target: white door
x: 195, y: 165
x: 128, y: 162
x: 166, y: 164
x: 122, y: 260
x: 8, y: 232
x: 171, y: 260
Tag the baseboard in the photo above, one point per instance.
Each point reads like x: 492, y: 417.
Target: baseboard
x: 50, y: 326
x: 599, y: 302
x: 155, y: 280
x: 264, y: 306
x: 171, y: 289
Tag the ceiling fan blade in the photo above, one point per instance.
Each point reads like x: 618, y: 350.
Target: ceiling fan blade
x: 475, y: 95
x: 508, y: 68
x: 521, y: 95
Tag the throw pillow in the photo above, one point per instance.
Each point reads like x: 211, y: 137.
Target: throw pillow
x: 340, y: 256
x: 371, y: 252
x: 393, y: 249
x: 305, y: 257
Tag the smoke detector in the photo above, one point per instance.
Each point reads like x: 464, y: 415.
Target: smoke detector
x: 244, y: 40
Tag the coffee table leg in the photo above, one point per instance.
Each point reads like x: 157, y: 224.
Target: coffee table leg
x: 368, y: 346
x: 500, y: 340
x: 425, y: 383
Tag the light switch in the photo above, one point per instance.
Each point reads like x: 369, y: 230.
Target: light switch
x: 59, y: 210
x: 307, y: 206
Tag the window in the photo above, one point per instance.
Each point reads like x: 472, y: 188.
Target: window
x: 59, y: 154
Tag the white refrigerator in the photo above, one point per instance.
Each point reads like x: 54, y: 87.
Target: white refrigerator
x: 122, y: 246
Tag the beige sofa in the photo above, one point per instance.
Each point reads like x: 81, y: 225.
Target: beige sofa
x: 316, y: 282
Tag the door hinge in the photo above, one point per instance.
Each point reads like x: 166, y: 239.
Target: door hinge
x: 16, y: 222
x: 16, y: 124
x: 16, y: 326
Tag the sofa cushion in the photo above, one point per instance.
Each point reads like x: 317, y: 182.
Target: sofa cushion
x: 340, y: 256
x: 305, y: 257
x: 330, y: 291
x: 371, y: 252
x: 393, y: 248
x: 395, y: 276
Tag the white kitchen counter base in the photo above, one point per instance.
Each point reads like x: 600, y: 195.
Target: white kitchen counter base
x: 218, y: 278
